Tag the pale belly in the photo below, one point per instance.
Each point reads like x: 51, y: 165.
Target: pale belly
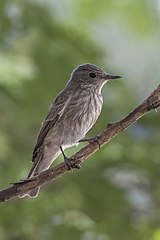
x: 79, y: 125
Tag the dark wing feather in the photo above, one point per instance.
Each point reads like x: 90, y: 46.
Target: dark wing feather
x: 54, y: 114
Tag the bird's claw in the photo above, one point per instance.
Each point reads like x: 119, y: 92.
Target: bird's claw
x: 95, y: 140
x: 70, y: 165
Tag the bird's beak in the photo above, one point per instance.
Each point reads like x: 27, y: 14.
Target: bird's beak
x: 111, y: 77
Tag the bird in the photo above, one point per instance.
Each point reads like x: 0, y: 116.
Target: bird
x: 72, y: 114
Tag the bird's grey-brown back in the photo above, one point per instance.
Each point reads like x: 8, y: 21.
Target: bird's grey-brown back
x: 72, y: 114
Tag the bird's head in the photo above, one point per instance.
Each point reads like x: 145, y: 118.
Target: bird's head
x: 89, y: 75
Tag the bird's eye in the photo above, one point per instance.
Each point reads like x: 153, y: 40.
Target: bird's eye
x: 92, y: 74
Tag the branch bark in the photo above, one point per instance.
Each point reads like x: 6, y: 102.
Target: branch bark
x: 152, y: 102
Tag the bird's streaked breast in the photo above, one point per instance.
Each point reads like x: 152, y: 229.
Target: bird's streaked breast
x: 80, y: 116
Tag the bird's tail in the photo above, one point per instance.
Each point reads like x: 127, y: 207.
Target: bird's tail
x: 39, y: 166
x: 33, y: 193
x: 33, y: 172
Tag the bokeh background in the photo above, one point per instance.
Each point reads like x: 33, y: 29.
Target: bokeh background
x: 116, y: 194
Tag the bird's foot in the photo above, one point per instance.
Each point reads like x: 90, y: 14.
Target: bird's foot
x: 94, y: 140
x: 69, y: 161
x: 70, y: 164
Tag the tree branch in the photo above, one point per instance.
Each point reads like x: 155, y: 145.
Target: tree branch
x: 152, y: 102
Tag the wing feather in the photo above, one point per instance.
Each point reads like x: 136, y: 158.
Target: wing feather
x: 55, y: 113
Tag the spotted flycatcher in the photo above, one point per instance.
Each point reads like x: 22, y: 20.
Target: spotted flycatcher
x: 73, y: 112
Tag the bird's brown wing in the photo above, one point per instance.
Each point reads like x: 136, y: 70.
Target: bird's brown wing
x: 56, y: 111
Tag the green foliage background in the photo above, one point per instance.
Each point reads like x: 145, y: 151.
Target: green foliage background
x: 116, y: 194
